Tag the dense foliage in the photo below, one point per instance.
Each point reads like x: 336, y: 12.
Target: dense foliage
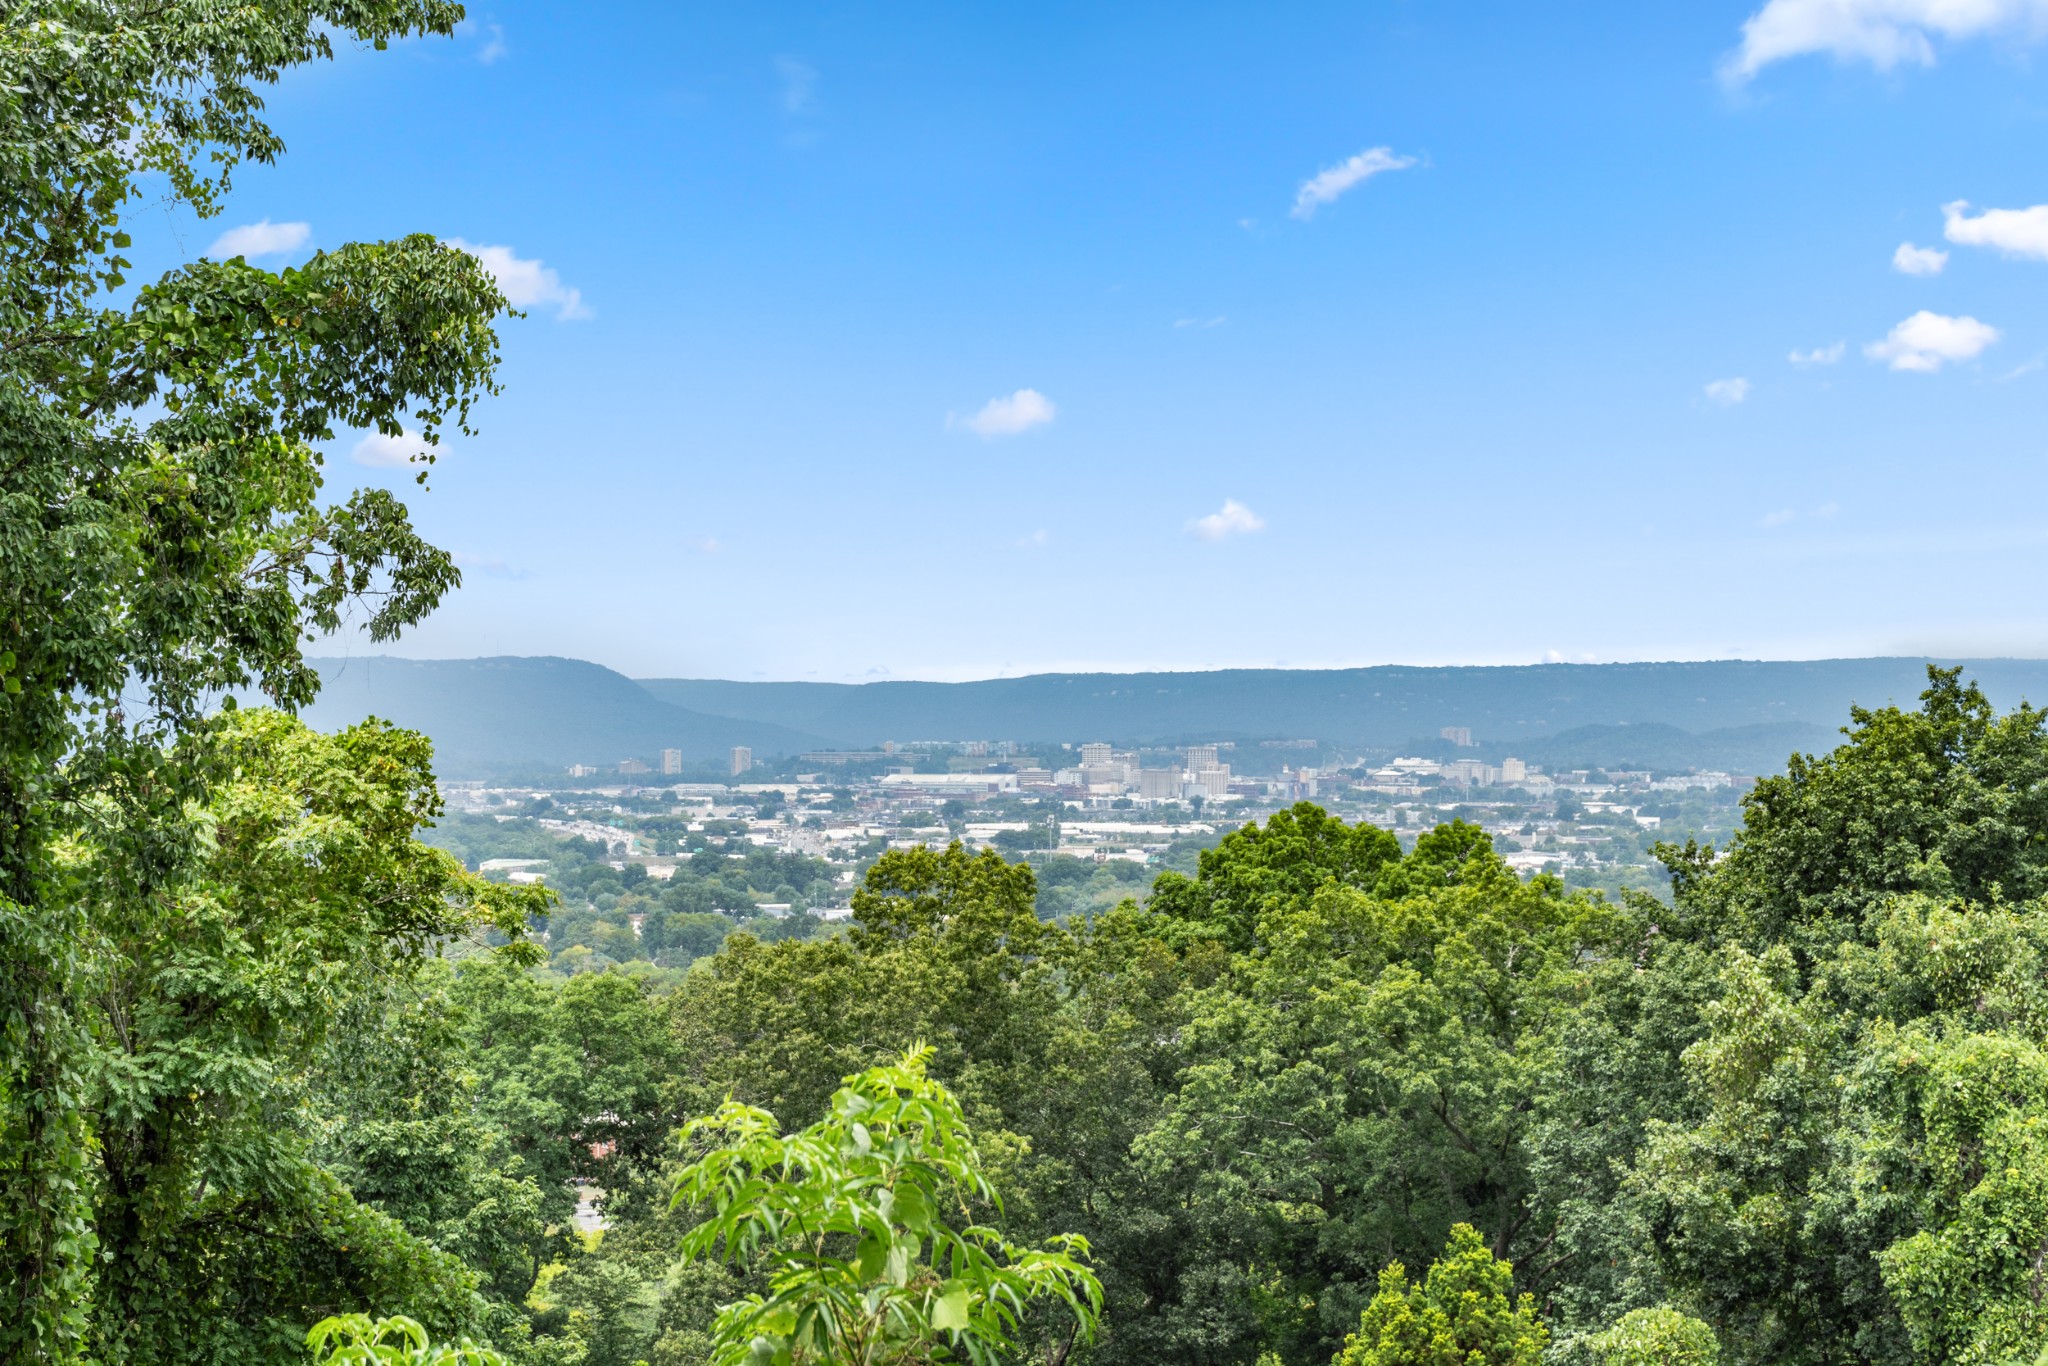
x: 185, y: 899
x: 1753, y: 1127
x: 853, y: 1224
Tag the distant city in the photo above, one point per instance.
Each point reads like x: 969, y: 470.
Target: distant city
x: 1097, y: 802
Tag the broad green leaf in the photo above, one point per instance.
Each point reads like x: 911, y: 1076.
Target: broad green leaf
x: 949, y: 1310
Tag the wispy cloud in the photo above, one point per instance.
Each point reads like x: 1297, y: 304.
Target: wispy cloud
x: 1927, y: 341
x: 1232, y: 519
x: 1216, y: 321
x: 799, y: 85
x: 1727, y: 392
x: 1325, y: 186
x: 263, y: 238
x: 1912, y: 260
x: 385, y: 452
x: 2016, y: 232
x: 527, y: 283
x: 707, y: 545
x: 488, y: 565
x: 489, y: 40
x: 1778, y: 518
x: 1884, y: 33
x: 1820, y: 355
x: 1009, y: 415
x: 1034, y: 541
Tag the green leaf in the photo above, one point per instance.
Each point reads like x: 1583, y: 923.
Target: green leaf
x: 949, y: 1310
x: 913, y: 1207
x: 873, y: 1258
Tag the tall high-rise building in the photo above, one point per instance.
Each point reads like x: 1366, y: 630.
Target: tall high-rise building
x: 1095, y: 756
x: 742, y: 759
x: 1201, y: 758
x: 1460, y: 736
x: 1156, y: 783
x: 671, y: 761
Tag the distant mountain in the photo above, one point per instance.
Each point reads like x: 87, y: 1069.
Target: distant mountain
x: 1733, y: 749
x: 491, y: 716
x: 518, y: 715
x: 1383, y: 706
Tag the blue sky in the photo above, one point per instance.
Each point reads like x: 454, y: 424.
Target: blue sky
x: 955, y: 341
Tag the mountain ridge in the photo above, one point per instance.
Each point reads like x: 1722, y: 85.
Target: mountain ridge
x: 1377, y: 705
x: 510, y: 713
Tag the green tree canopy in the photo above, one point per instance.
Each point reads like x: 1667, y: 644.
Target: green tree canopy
x: 214, y: 1004
x: 165, y: 536
x: 862, y: 1225
x: 1655, y: 1337
x: 1461, y: 1314
x: 1951, y: 799
x: 1284, y: 861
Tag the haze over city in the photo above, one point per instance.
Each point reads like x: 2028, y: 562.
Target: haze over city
x: 1191, y: 337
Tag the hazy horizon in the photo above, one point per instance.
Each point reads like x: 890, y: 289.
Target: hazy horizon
x: 323, y: 656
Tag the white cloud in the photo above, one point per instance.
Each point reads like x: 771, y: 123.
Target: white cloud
x: 527, y: 284
x: 1232, y: 519
x: 1884, y: 33
x: 1324, y: 187
x: 488, y: 565
x: 1827, y: 511
x: 1216, y: 321
x: 1019, y: 412
x: 260, y: 239
x: 1912, y: 260
x: 489, y: 39
x: 1820, y: 355
x: 386, y: 451
x: 1728, y: 392
x: 2016, y: 232
x: 1926, y: 341
x: 799, y: 85
x: 1034, y: 540
x: 1778, y: 518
